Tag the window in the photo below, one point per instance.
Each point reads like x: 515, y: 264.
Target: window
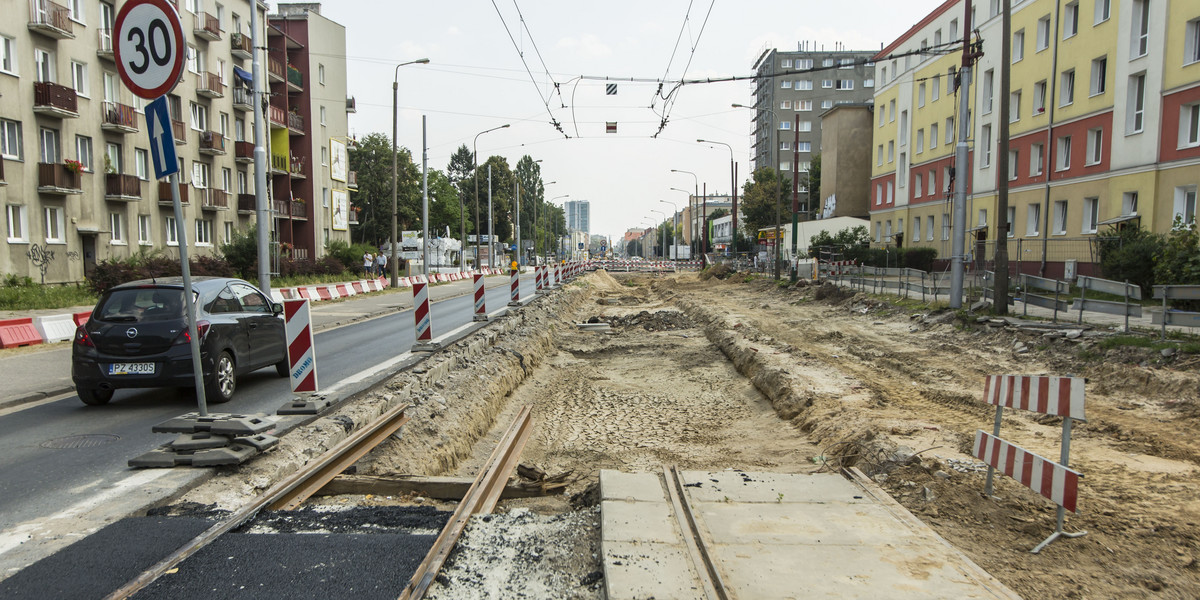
x: 916, y: 237
x: 1064, y: 153
x: 226, y: 179
x: 1185, y: 203
x: 1189, y: 125
x: 804, y: 105
x: 804, y: 84
x: 883, y: 74
x: 325, y: 197
x: 1060, y: 218
x: 79, y: 78
x: 204, y: 232
x: 145, y: 237
x: 846, y: 63
x: 324, y: 156
x: 949, y: 130
x: 141, y: 163
x: 827, y: 104
x: 869, y: 83
x: 903, y: 173
x: 111, y: 87
x: 805, y: 126
x: 785, y: 125
x: 890, y: 196
x: 1091, y: 215
x: 75, y: 10
x: 828, y: 62
x: 951, y: 80
x: 239, y: 129
x: 903, y: 128
x: 44, y: 65
x: 1095, y: 146
x: 321, y: 73
x: 17, y: 224
x: 8, y: 55
x: 945, y: 226
x: 1191, y: 42
x: 83, y: 151
x: 937, y: 38
x: 985, y: 147
x: 845, y: 84
x: 55, y: 225
x: 113, y: 158
x: 1036, y: 156
x: 49, y: 145
x: 933, y: 136
x: 1014, y: 157
x: 993, y: 9
x: 882, y: 114
x: 1039, y: 97
x: 193, y: 59
x: 804, y: 63
x: 1136, y: 112
x: 1129, y: 203
x: 986, y: 94
x: 1014, y: 107
x: 954, y: 29
x: 878, y: 231
x: 1071, y: 19
x: 10, y: 140
x: 891, y: 150
x: 879, y: 158
x: 826, y: 83
x: 786, y: 84
x: 918, y: 186
x: 785, y: 63
x: 242, y: 183
x: 116, y: 224
x: 200, y: 174
x: 1043, y: 33
x: 1103, y: 10
x: 1033, y: 222
x: 1066, y: 91
x: 228, y: 231
x: 878, y: 195
x: 935, y: 87
x: 172, y: 233
x: 892, y: 111
x: 1018, y: 46
x: 785, y: 166
x: 921, y: 95
x: 932, y: 181
x: 929, y: 228
x: 920, y: 141
x: 199, y: 117
x: 1140, y: 29
x: 1099, y: 74
x: 224, y: 120
x: 982, y: 218
x: 1011, y: 220
x: 803, y: 146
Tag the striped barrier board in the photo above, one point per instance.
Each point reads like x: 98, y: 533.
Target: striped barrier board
x: 514, y: 293
x: 1057, y: 483
x: 358, y: 287
x: 480, y: 300
x: 323, y: 293
x: 421, y: 312
x: 286, y: 293
x: 18, y: 332
x: 302, y: 292
x: 302, y: 358
x: 1046, y: 394
x: 344, y: 291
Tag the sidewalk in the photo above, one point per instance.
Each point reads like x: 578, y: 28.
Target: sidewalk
x: 42, y: 371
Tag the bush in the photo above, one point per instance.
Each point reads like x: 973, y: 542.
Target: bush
x: 1128, y: 255
x: 918, y: 258
x: 349, y: 255
x: 241, y: 253
x: 149, y: 265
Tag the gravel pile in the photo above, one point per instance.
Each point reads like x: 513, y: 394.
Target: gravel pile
x: 663, y: 320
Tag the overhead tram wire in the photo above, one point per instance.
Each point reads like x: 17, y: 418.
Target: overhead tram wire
x: 668, y: 101
x: 532, y: 79
x: 539, y: 53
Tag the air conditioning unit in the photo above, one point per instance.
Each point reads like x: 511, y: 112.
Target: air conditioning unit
x: 1070, y: 269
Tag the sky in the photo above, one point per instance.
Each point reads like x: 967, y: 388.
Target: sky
x: 528, y: 62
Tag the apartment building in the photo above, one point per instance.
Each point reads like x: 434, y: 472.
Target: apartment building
x: 792, y: 90
x: 1104, y: 107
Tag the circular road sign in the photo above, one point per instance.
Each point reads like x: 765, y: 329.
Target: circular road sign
x: 149, y: 48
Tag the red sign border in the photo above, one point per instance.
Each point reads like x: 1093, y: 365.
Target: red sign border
x: 176, y: 71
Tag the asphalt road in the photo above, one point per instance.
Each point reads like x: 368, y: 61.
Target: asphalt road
x: 62, y: 461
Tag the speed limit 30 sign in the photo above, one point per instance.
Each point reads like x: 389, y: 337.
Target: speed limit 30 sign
x: 149, y: 48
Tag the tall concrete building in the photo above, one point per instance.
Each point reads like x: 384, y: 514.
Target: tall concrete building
x: 578, y: 216
x: 792, y: 90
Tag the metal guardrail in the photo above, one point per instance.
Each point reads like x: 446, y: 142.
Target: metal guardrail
x: 1169, y: 316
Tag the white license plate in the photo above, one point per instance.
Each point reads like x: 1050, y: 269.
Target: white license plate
x: 131, y: 369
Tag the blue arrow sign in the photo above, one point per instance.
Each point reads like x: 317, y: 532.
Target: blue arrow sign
x: 162, y: 140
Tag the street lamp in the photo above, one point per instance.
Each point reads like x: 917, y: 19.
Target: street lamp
x: 646, y: 221
x: 732, y: 188
x: 395, y: 206
x: 461, y: 225
x: 664, y: 237
x: 674, y: 226
x: 694, y: 197
x: 778, y: 177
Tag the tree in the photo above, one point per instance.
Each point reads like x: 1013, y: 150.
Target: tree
x: 812, y: 183
x: 529, y: 174
x: 373, y: 163
x: 502, y: 191
x: 757, y: 208
x: 462, y: 164
x: 443, y: 205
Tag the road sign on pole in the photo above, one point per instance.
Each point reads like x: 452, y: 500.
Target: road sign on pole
x: 162, y: 139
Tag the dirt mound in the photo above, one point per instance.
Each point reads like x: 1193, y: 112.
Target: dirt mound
x: 663, y: 320
x: 718, y: 271
x: 831, y: 293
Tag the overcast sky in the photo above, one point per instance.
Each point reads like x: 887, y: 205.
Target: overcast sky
x: 476, y: 80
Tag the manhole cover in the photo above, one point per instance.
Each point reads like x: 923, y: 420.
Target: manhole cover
x: 90, y: 440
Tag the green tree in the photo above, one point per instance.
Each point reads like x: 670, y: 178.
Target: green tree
x: 763, y: 198
x: 373, y: 163
x: 461, y: 166
x: 502, y: 192
x: 443, y: 204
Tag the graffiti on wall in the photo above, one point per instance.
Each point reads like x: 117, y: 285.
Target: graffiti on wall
x: 41, y: 257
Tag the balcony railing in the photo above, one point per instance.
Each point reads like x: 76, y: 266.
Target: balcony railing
x: 50, y: 18
x: 351, y: 105
x: 215, y: 200
x: 56, y: 178
x: 243, y: 98
x: 179, y: 130
x: 241, y: 45
x: 279, y: 163
x: 119, y: 117
x: 277, y: 116
x: 352, y: 179
x: 104, y: 48
x: 276, y: 69
x: 295, y: 77
x: 207, y: 27
x: 296, y: 167
x: 354, y: 216
x: 212, y: 142
x: 55, y: 100
x: 298, y: 210
x: 243, y: 152
x: 247, y: 204
x: 295, y: 122
x: 210, y: 85
x: 118, y: 186
x: 281, y: 208
x: 164, y: 192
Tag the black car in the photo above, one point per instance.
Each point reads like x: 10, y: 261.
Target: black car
x: 137, y: 337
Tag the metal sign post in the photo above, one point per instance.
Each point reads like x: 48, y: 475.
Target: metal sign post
x: 150, y: 59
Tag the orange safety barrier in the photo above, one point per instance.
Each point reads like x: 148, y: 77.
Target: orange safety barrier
x: 18, y: 332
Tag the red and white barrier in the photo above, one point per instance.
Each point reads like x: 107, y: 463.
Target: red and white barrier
x: 1044, y: 476
x: 480, y: 300
x: 55, y: 328
x: 422, y: 317
x: 302, y: 358
x: 514, y: 292
x: 18, y: 332
x: 1046, y: 394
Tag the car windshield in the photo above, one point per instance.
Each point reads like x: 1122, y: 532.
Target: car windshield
x: 137, y: 305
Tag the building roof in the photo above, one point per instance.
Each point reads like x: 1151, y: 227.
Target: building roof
x: 937, y: 12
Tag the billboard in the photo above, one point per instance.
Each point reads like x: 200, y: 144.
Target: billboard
x: 340, y: 207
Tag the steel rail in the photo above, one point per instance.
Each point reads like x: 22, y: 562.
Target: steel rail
x: 297, y: 485
x: 480, y: 498
x: 705, y: 567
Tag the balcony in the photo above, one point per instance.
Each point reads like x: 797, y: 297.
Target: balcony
x: 295, y: 123
x: 240, y: 46
x: 56, y: 178
x: 54, y: 100
x: 350, y: 105
x: 275, y: 69
x: 104, y: 46
x: 277, y: 117
x: 210, y: 85
x: 354, y: 216
x: 243, y: 152
x: 179, y: 129
x: 243, y: 98
x: 247, y: 204
x: 214, y: 200
x: 164, y: 193
x: 119, y: 187
x: 119, y: 118
x: 299, y: 210
x: 207, y: 27
x: 281, y: 208
x: 352, y: 180
x: 296, y: 167
x: 212, y: 143
x: 279, y: 164
x: 295, y: 79
x: 50, y: 18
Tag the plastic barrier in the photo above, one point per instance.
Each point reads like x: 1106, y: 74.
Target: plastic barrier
x: 81, y: 317
x: 423, y: 319
x: 301, y: 357
x: 55, y: 328
x: 514, y: 292
x: 358, y: 287
x: 480, y: 300
x: 323, y: 293
x: 18, y: 332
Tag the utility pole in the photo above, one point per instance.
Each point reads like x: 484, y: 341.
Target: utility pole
x: 517, y: 211
x: 962, y: 167
x: 424, y: 202
x: 1000, y: 287
x: 261, y: 208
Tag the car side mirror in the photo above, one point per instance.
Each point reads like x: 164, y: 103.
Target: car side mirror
x: 276, y: 308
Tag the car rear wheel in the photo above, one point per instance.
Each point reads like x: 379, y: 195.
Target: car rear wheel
x: 94, y: 397
x: 283, y: 368
x: 220, y: 387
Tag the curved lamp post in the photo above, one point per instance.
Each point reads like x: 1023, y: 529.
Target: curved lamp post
x: 693, y: 197
x: 395, y: 206
x: 778, y: 177
x: 461, y: 225
x: 732, y: 188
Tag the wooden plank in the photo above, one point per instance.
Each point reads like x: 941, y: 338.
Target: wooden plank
x: 441, y: 488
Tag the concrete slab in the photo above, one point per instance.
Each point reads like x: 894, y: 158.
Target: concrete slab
x: 797, y: 524
x: 643, y: 571
x: 642, y: 487
x: 654, y: 522
x: 774, y: 488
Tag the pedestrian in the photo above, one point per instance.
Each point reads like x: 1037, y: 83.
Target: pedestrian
x: 368, y: 263
x: 381, y: 263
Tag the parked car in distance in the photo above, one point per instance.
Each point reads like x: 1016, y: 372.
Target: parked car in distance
x: 137, y: 337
